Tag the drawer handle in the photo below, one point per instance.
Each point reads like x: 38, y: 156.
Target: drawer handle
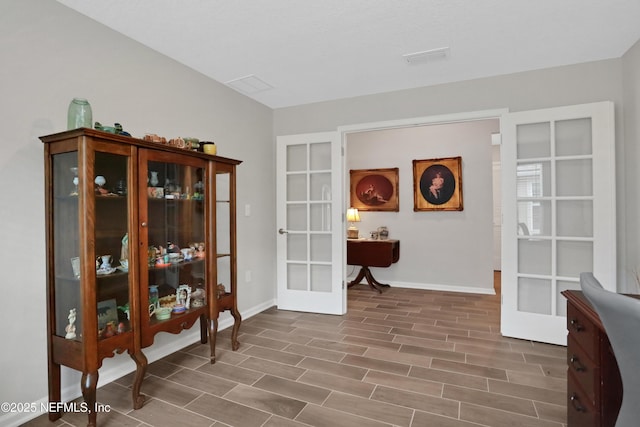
x: 575, y: 401
x: 576, y: 325
x: 575, y: 362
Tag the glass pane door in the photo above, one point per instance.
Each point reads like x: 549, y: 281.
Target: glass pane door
x: 111, y: 243
x: 66, y: 248
x: 310, y: 240
x: 557, y: 213
x: 173, y: 215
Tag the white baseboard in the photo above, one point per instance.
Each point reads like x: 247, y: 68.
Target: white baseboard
x: 445, y: 288
x: 120, y: 366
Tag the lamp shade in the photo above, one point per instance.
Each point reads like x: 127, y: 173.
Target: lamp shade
x: 353, y: 215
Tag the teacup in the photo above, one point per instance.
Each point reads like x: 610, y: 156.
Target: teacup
x: 187, y: 253
x: 163, y: 313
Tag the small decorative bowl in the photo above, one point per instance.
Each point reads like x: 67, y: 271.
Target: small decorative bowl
x: 179, y: 309
x: 163, y: 313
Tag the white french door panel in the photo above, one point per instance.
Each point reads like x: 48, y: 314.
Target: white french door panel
x: 310, y: 236
x: 558, y: 204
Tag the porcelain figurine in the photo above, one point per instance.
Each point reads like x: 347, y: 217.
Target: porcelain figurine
x: 71, y: 327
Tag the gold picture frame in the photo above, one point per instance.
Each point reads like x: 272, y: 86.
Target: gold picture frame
x: 375, y: 189
x: 437, y: 184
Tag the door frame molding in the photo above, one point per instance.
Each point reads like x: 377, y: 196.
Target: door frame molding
x: 345, y: 130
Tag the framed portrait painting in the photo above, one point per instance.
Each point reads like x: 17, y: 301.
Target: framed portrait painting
x: 375, y: 189
x: 437, y: 184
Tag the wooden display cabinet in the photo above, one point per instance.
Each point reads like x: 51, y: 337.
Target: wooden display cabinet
x: 170, y: 213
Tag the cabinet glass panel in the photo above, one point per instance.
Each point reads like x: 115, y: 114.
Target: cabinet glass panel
x: 66, y: 250
x: 574, y: 177
x: 533, y: 140
x: 573, y: 137
x: 534, y: 295
x: 176, y: 236
x: 534, y: 256
x: 223, y: 224
x: 575, y: 218
x: 111, y: 244
x: 223, y: 233
x: 574, y: 257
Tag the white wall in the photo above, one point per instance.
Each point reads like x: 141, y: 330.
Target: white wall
x: 438, y: 250
x: 51, y: 54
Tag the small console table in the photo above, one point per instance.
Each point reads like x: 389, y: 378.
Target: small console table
x: 371, y: 253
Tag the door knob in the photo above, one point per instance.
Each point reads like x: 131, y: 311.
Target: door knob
x: 282, y: 231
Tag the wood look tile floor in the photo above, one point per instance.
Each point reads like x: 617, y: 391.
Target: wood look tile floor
x: 405, y: 358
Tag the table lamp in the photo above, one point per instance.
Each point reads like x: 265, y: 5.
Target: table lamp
x: 352, y: 216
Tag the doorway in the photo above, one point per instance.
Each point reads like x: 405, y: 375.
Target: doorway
x: 466, y: 262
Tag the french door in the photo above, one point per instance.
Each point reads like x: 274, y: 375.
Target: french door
x: 310, y: 237
x: 558, y: 185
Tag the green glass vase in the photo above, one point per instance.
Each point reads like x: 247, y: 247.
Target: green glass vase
x: 79, y: 114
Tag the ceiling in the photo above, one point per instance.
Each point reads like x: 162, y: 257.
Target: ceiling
x: 294, y: 52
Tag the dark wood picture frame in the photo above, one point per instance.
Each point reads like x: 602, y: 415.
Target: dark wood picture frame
x: 437, y: 184
x: 375, y: 189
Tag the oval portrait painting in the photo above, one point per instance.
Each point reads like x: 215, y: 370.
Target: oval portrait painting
x: 437, y: 184
x: 374, y: 190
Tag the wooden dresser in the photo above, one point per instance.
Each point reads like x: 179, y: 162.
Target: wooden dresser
x: 594, y: 387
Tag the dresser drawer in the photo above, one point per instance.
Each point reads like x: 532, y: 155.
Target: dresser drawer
x: 582, y: 330
x: 584, y: 371
x: 580, y: 412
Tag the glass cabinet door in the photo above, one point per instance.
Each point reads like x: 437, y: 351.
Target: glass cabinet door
x: 112, y: 251
x: 224, y: 238
x: 66, y: 249
x: 90, y: 246
x: 173, y: 217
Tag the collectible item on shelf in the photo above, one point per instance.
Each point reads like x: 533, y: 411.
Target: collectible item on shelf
x: 71, y: 327
x: 116, y: 129
x: 79, y: 114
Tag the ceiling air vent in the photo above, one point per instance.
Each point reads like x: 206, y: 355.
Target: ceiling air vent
x: 426, y: 55
x: 249, y: 84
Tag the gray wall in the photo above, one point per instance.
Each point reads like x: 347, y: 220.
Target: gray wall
x: 568, y: 85
x: 51, y: 54
x: 631, y: 178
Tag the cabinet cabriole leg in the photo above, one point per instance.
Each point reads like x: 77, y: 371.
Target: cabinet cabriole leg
x: 203, y: 329
x: 88, y: 385
x: 141, y: 368
x: 213, y: 333
x: 236, y: 327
